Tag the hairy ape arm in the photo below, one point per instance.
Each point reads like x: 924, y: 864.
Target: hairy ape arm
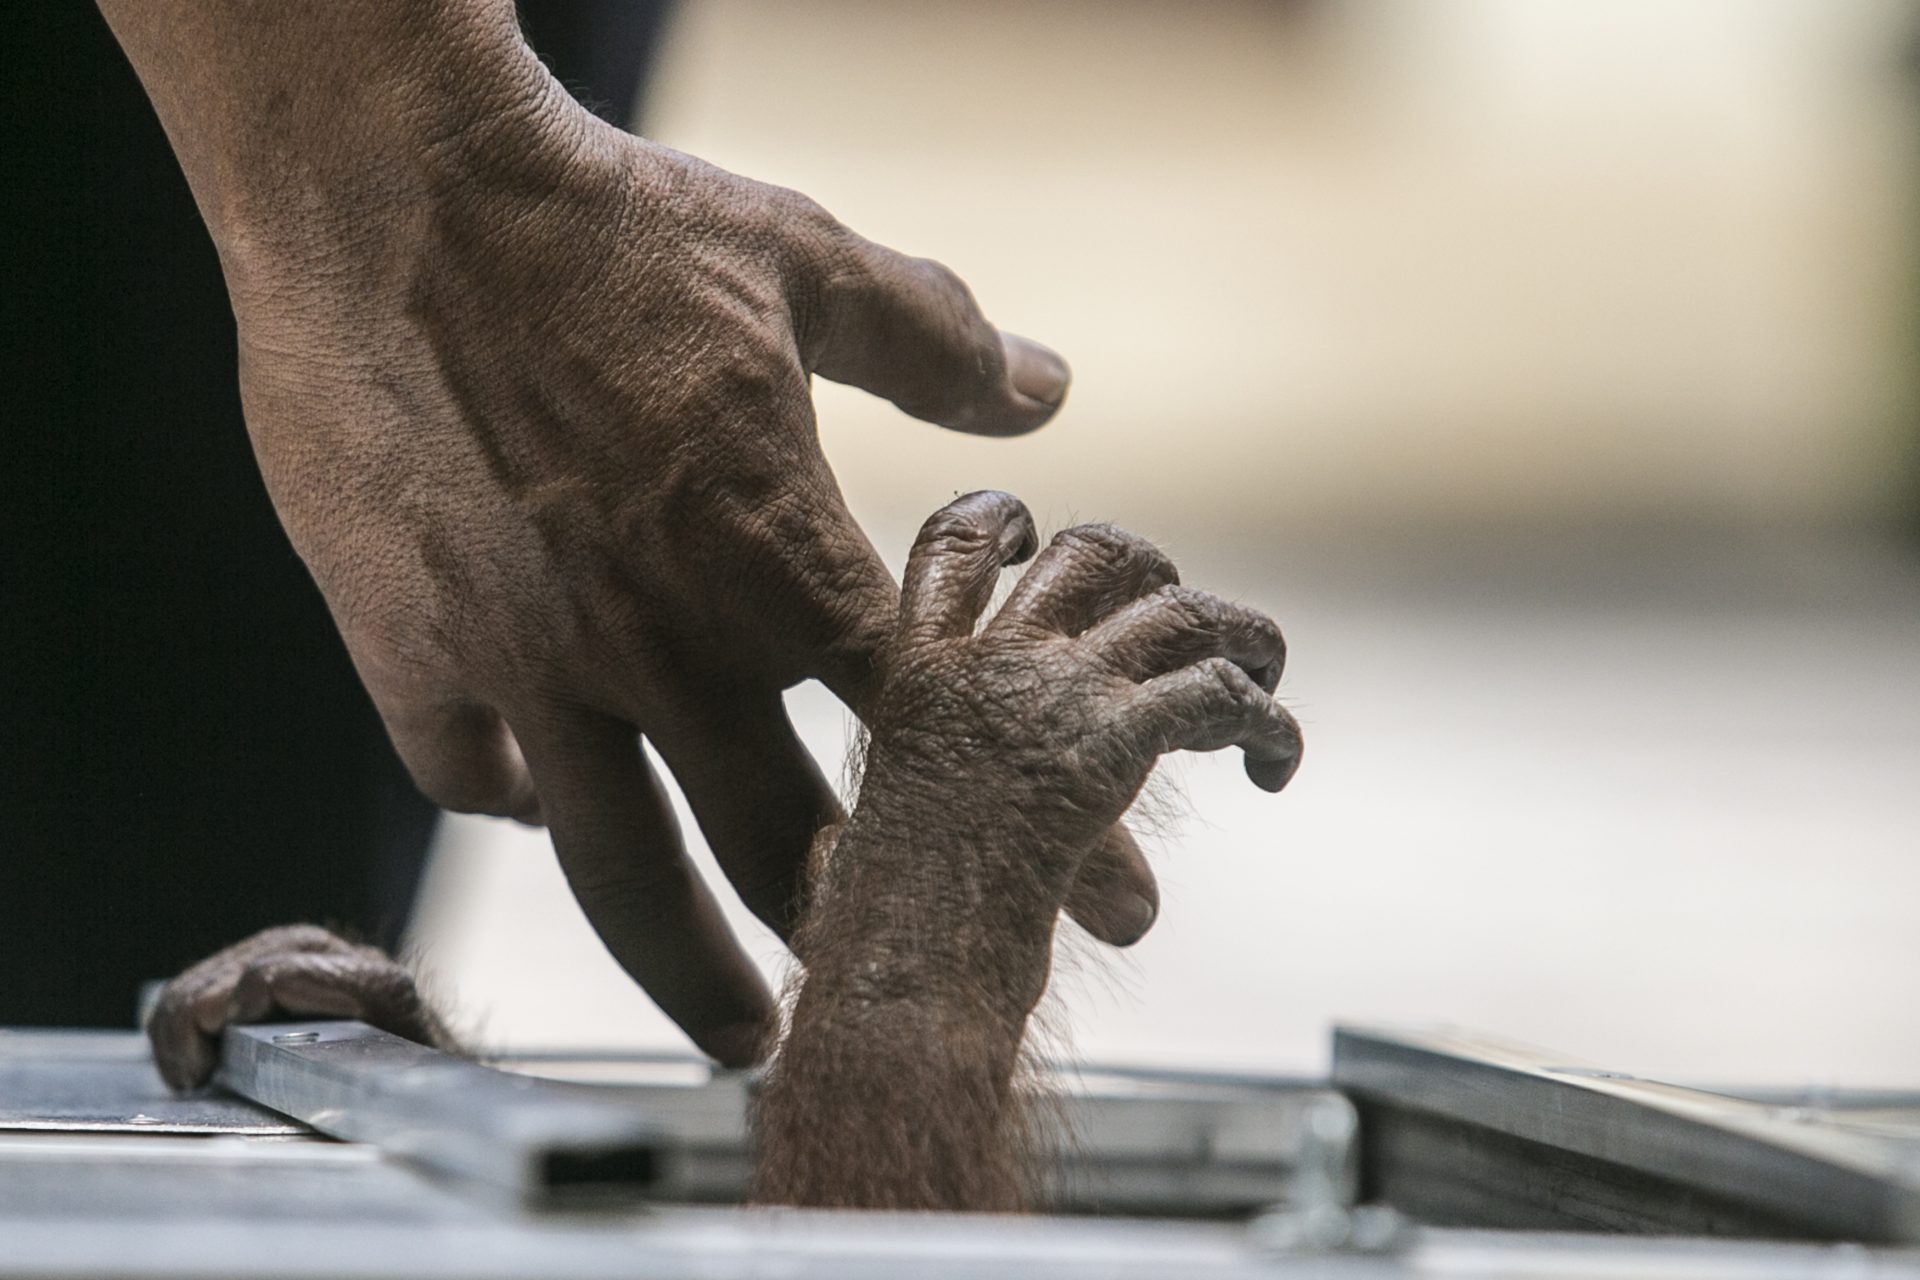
x: 995, y: 762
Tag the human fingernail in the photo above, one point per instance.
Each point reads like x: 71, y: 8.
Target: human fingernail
x: 1036, y: 372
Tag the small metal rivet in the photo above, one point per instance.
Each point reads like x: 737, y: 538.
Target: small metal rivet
x: 297, y: 1037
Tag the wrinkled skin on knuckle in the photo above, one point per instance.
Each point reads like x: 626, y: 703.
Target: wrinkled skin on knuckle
x: 1012, y: 715
x: 249, y: 979
x: 565, y: 441
x: 1033, y: 718
x: 766, y: 544
x: 953, y: 533
x: 1109, y: 548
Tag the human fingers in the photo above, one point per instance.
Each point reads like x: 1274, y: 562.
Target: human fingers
x: 1114, y: 895
x: 1210, y: 705
x: 192, y: 1009
x: 620, y: 847
x: 818, y: 600
x: 1084, y: 574
x: 956, y: 561
x: 757, y: 793
x: 460, y: 752
x: 1177, y: 626
x: 908, y: 329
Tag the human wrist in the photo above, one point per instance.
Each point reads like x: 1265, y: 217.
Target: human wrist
x: 318, y: 135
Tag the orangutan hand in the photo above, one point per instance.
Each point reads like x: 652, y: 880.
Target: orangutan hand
x: 292, y: 971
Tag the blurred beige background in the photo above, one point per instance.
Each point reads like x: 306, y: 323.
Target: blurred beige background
x: 1548, y: 370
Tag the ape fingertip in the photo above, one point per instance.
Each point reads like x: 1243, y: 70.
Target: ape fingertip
x: 1133, y: 922
x: 182, y: 1079
x: 1026, y: 544
x: 1272, y: 775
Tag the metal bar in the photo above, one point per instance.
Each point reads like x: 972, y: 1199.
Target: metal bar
x: 1123, y: 1143
x: 542, y: 1141
x: 696, y: 1244
x: 1463, y: 1130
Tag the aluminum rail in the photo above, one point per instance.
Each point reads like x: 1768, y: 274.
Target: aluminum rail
x: 1125, y: 1142
x: 541, y: 1142
x: 1463, y: 1130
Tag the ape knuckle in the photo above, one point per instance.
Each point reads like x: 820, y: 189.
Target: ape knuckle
x: 1092, y: 537
x: 390, y: 984
x: 1191, y: 607
x: 1226, y: 684
x: 1108, y: 545
x: 296, y: 937
x: 170, y: 1009
x: 256, y: 978
x: 953, y: 529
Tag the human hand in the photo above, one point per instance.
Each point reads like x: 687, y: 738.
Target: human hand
x: 531, y: 397
x: 291, y: 971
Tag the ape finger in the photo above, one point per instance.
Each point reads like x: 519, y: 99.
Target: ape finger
x: 1114, y: 895
x: 1178, y: 626
x: 1211, y: 705
x: 187, y: 1018
x: 620, y: 847
x: 361, y: 984
x: 956, y: 561
x: 1085, y: 573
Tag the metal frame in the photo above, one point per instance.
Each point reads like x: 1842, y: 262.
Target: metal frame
x: 1127, y: 1142
x: 540, y: 1142
x: 1465, y: 1130
x: 121, y: 1199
